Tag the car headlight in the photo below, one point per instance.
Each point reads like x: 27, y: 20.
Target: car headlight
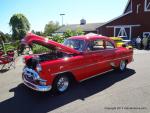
x: 38, y: 68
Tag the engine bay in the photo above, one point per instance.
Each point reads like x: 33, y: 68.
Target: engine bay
x: 33, y: 61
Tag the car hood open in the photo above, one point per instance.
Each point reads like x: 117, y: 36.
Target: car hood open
x: 30, y: 38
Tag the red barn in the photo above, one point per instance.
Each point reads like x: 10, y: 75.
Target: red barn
x: 135, y: 21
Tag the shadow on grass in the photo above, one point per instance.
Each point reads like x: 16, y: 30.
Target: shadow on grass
x: 28, y: 101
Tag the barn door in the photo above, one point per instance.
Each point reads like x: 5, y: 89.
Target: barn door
x: 124, y: 32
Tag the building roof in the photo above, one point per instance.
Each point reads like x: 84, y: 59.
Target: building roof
x: 85, y: 27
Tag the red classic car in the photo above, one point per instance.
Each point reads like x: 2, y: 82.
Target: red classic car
x: 78, y: 58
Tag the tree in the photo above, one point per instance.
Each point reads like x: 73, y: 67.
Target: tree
x: 51, y: 27
x: 58, y: 38
x: 33, y: 31
x: 2, y: 37
x: 79, y: 32
x: 20, y: 26
x: 40, y: 33
x: 5, y: 37
x: 69, y: 32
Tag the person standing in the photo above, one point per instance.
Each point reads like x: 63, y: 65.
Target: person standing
x: 138, y: 42
x: 148, y: 43
x: 145, y: 42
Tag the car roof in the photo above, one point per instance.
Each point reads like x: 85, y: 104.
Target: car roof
x: 85, y: 37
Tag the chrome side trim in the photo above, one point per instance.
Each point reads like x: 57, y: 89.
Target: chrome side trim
x: 90, y: 65
x: 97, y: 75
x: 36, y: 87
x: 102, y: 50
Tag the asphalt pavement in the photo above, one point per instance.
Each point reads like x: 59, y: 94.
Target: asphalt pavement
x: 114, y: 92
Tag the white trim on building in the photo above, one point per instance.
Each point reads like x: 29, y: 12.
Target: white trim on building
x: 147, y: 6
x: 137, y: 8
x: 146, y: 34
x: 123, y: 31
x: 129, y: 1
x: 136, y: 25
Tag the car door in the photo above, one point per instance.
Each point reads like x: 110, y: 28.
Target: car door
x: 95, y: 53
x: 109, y: 55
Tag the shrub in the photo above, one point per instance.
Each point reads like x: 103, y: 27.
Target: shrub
x: 37, y: 49
x: 11, y: 46
x: 57, y: 38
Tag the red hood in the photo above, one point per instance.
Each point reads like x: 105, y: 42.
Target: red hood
x: 29, y: 38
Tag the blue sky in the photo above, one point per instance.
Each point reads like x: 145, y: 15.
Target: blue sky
x: 40, y: 12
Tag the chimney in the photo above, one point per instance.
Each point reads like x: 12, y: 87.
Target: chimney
x: 82, y: 22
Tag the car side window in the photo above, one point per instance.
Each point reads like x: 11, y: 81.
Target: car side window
x: 95, y: 45
x: 109, y: 45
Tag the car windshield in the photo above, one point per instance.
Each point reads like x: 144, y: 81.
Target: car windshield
x: 75, y: 44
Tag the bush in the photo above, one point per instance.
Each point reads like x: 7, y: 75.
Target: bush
x: 11, y: 46
x: 69, y: 32
x: 57, y: 38
x: 37, y: 49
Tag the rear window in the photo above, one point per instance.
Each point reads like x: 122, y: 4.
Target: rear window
x: 95, y: 45
x: 109, y: 45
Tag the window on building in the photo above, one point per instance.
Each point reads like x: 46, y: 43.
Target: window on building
x: 147, y: 5
x: 128, y: 8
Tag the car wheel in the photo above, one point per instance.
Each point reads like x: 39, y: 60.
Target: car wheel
x: 122, y: 66
x: 61, y: 84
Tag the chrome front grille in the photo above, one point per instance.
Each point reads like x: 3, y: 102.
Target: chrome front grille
x: 30, y: 74
x: 32, y: 80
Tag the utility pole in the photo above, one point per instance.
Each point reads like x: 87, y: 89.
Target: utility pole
x: 62, y: 14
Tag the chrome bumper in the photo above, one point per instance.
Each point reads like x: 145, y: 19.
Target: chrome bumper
x: 37, y: 87
x: 41, y: 88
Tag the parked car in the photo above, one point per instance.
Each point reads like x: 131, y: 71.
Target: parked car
x: 128, y: 43
x: 120, y: 42
x: 78, y: 58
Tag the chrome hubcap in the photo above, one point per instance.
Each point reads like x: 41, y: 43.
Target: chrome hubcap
x: 122, y: 65
x: 62, y: 84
